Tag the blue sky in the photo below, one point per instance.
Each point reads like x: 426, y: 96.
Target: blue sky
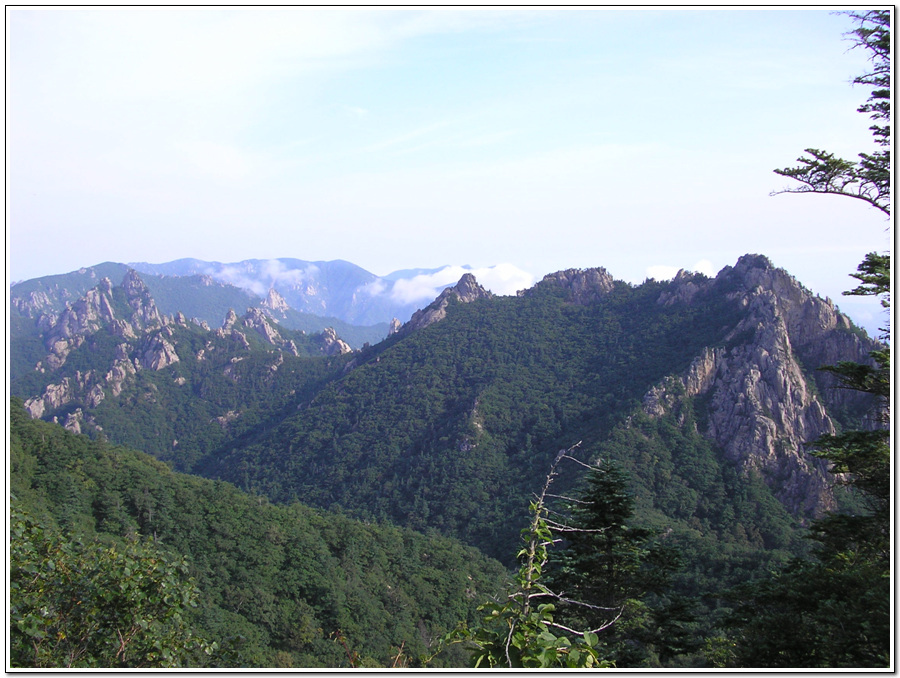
x: 642, y: 141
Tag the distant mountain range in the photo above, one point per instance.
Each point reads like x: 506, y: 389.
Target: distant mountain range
x: 308, y: 295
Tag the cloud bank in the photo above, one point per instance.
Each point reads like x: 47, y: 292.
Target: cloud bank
x: 271, y: 273
x: 663, y: 272
x: 502, y: 279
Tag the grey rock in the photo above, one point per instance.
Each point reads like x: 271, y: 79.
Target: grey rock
x: 331, y: 344
x: 584, y: 286
x: 763, y: 410
x: 466, y: 291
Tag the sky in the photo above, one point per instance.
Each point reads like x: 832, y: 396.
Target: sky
x: 516, y: 142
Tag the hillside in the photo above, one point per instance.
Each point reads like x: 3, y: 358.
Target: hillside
x: 704, y: 391
x: 276, y: 582
x: 452, y: 426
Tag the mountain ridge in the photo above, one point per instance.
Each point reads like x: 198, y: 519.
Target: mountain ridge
x: 487, y: 383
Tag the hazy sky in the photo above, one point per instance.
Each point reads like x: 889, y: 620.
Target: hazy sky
x: 642, y: 141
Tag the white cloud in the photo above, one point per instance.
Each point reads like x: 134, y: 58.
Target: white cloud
x: 271, y: 273
x: 424, y: 287
x: 278, y: 273
x: 235, y: 276
x: 662, y: 272
x: 501, y: 279
x: 373, y: 289
x: 705, y: 266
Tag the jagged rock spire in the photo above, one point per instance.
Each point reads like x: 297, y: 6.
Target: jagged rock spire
x: 466, y: 290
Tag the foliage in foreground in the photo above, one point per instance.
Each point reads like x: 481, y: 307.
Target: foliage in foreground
x: 520, y: 631
x: 587, y: 592
x: 78, y: 605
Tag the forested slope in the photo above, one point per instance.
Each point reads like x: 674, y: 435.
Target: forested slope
x: 454, y: 426
x: 276, y: 582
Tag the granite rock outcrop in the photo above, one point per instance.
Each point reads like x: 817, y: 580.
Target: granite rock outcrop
x: 465, y: 291
x: 765, y: 405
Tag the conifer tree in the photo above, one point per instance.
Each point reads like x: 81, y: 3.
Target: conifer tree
x: 612, y: 570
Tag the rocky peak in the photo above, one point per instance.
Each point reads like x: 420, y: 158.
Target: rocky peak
x: 100, y: 308
x: 761, y: 414
x: 767, y: 400
x: 332, y: 344
x: 256, y: 320
x: 230, y: 319
x: 466, y: 290
x: 35, y: 304
x: 158, y: 353
x: 275, y: 302
x: 775, y: 302
x: 134, y: 285
x: 79, y: 320
x: 817, y: 332
x: 145, y: 315
x: 583, y: 286
x: 683, y: 288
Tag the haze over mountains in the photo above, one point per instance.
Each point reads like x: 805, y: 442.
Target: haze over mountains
x: 338, y: 291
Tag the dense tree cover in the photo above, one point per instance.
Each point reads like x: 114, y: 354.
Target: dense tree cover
x: 29, y: 346
x: 182, y: 413
x: 450, y: 427
x: 77, y: 605
x: 834, y: 609
x: 593, y: 588
x: 275, y: 585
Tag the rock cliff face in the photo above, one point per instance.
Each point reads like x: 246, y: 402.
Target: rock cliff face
x: 275, y: 303
x: 332, y: 344
x: 764, y: 407
x: 583, y: 286
x: 147, y: 340
x: 465, y: 291
x: 99, y: 308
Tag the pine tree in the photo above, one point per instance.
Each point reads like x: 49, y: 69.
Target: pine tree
x: 611, y: 574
